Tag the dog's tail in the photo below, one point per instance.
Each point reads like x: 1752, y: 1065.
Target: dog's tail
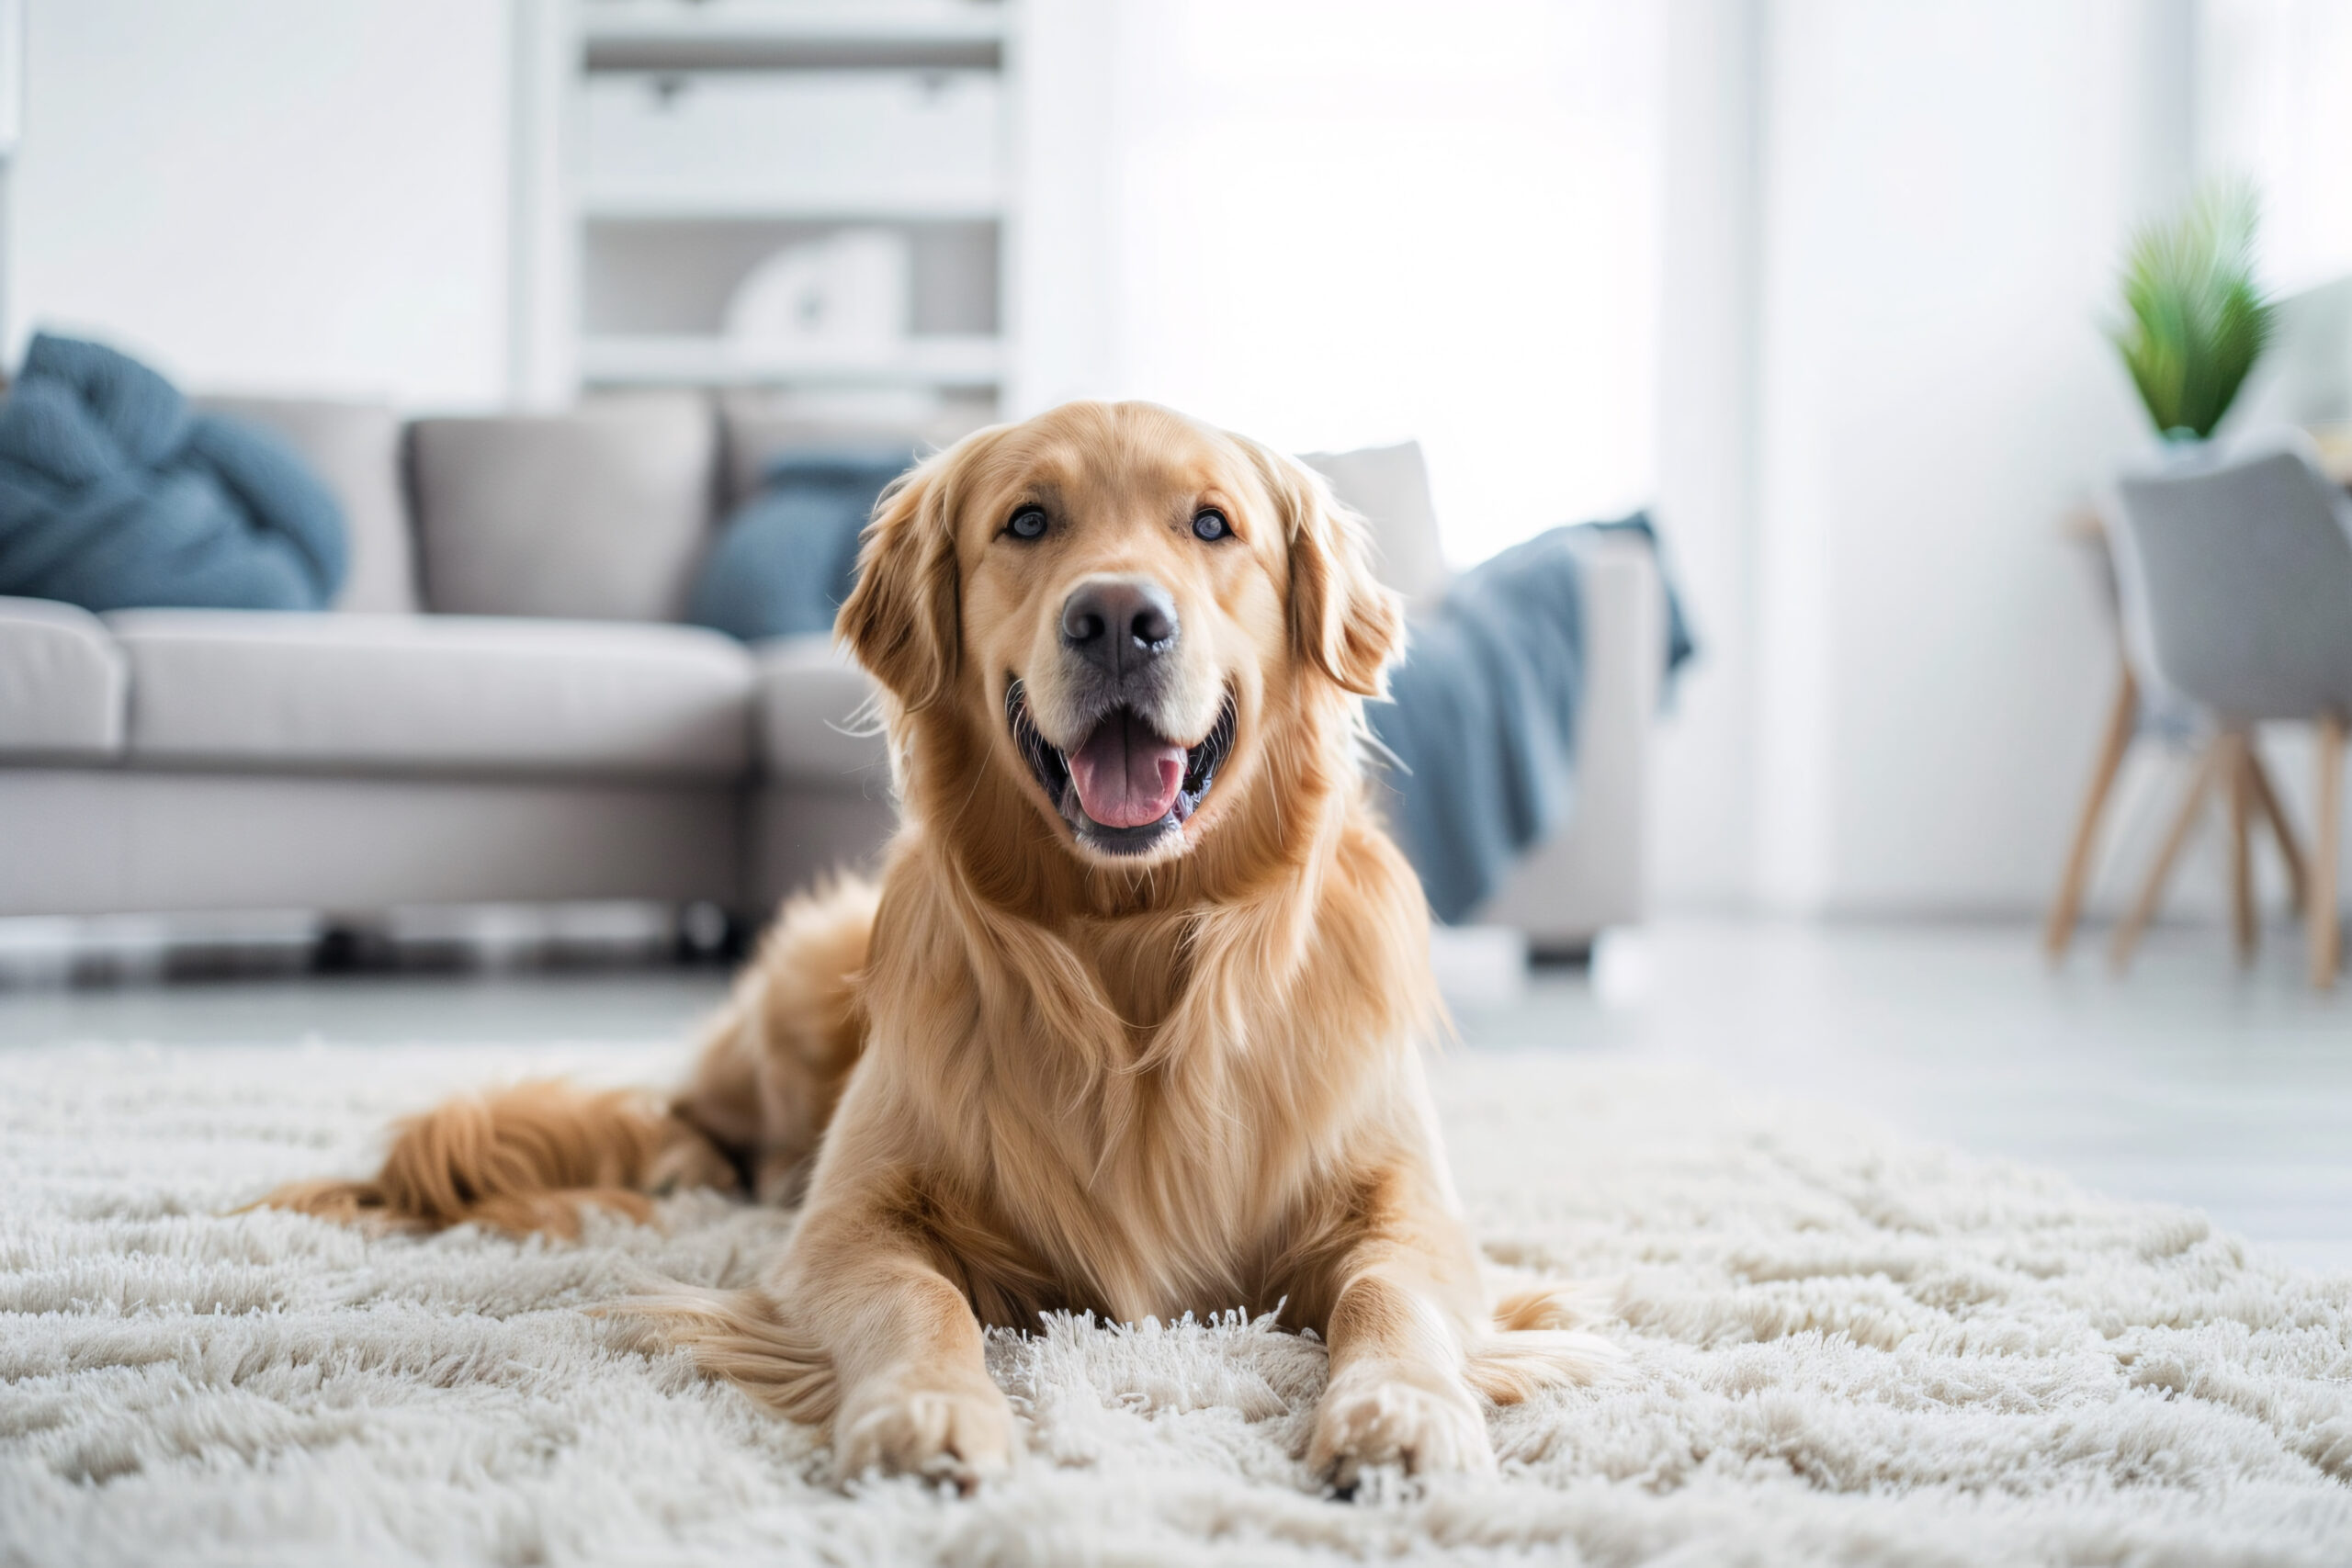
x: 528, y: 1158
x: 522, y: 1159
x: 1540, y: 1342
x: 735, y: 1335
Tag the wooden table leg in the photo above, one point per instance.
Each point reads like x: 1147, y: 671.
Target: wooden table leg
x: 2320, y: 916
x: 2127, y: 935
x: 2265, y: 798
x: 2122, y: 722
x: 2243, y: 926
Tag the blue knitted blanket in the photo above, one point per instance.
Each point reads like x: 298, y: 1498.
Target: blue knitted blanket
x: 114, y: 494
x: 1482, y: 718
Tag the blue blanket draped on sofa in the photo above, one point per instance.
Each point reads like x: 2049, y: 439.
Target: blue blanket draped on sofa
x: 1482, y: 718
x: 114, y: 494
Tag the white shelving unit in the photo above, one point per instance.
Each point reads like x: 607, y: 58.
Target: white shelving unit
x: 710, y: 135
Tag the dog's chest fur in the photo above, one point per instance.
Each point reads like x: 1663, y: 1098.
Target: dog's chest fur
x: 1192, y: 1175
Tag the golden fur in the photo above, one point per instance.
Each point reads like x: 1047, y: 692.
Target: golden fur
x: 1033, y: 1075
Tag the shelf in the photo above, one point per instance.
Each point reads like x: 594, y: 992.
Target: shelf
x: 817, y: 21
x: 717, y: 144
x: 672, y: 361
x: 629, y: 33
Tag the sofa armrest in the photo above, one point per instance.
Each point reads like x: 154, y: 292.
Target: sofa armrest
x: 64, y: 682
x: 1591, y: 874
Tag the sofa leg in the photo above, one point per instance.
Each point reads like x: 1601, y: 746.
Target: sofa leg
x: 349, y: 946
x: 712, y: 934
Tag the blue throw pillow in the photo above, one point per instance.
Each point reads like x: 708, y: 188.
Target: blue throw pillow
x: 785, y: 562
x: 113, y: 495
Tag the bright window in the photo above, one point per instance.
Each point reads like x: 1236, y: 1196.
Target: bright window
x: 2275, y: 103
x: 1351, y: 222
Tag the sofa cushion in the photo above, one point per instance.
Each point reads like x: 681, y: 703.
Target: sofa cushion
x: 757, y: 432
x: 785, y: 563
x: 601, y: 513
x: 815, y: 727
x: 62, y: 682
x: 433, y: 693
x: 356, y: 448
x: 1390, y: 486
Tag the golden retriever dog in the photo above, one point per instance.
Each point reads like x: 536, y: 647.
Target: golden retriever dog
x: 1132, y: 1024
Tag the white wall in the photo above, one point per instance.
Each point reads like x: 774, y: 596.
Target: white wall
x: 276, y: 194
x: 1067, y: 138
x: 1945, y: 193
x: 1702, y: 824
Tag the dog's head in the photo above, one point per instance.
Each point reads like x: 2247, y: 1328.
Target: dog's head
x: 1126, y: 617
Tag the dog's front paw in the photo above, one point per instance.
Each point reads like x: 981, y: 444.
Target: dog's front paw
x: 960, y: 1431
x: 1383, y: 1415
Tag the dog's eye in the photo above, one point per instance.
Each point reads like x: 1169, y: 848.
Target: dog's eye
x: 1210, y: 523
x: 1029, y: 522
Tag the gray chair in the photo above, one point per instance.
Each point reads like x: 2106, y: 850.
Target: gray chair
x: 2161, y: 718
x: 2237, y: 579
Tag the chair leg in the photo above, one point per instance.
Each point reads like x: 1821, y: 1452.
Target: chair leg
x: 2243, y: 926
x: 2123, y: 721
x: 2320, y: 918
x: 2266, y: 798
x: 2127, y: 935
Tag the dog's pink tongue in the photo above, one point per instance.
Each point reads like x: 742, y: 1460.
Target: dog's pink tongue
x: 1126, y: 776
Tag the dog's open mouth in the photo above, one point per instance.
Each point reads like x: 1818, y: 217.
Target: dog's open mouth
x: 1125, y: 786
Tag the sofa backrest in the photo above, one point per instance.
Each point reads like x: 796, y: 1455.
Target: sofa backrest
x: 355, y: 449
x: 600, y: 514
x: 604, y: 512
x: 756, y: 430
x: 1390, y: 487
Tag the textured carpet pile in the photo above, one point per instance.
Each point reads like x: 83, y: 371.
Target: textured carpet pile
x: 1841, y: 1347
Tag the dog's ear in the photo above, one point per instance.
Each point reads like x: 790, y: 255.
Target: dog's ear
x: 901, y: 621
x: 1343, y: 620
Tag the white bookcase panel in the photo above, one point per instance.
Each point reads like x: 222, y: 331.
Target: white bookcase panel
x: 851, y: 144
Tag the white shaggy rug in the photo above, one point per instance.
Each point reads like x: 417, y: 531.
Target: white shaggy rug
x: 1841, y: 1348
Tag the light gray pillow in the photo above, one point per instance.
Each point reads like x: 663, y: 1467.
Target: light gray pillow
x: 355, y: 449
x: 601, y: 513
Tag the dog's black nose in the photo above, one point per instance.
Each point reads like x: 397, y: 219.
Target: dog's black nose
x: 1119, y: 622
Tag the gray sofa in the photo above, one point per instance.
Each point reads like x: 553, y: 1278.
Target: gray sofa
x: 503, y: 708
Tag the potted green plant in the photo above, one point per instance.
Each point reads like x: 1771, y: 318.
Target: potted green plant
x: 2195, y: 320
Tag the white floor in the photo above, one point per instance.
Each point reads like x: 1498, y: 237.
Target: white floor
x: 2187, y: 1081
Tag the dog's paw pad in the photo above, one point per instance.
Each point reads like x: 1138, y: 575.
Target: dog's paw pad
x: 955, y: 1435
x: 1379, y: 1421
